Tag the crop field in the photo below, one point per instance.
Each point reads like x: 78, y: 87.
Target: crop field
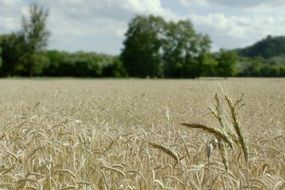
x: 142, y: 134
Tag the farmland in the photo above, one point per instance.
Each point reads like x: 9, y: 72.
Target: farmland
x: 127, y: 134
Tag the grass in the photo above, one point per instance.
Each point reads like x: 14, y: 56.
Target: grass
x: 126, y: 134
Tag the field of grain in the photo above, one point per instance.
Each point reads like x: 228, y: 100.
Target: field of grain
x: 127, y: 134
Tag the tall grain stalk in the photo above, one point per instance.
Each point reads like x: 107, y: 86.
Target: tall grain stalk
x: 224, y: 135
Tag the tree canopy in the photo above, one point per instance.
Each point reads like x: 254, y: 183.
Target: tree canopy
x: 182, y: 48
x: 266, y: 48
x: 154, y: 47
x: 22, y: 50
x: 141, y: 55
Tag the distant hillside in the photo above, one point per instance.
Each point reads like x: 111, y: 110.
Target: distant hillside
x: 267, y: 48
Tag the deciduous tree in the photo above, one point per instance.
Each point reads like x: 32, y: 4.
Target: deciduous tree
x: 141, y: 55
x: 35, y: 35
x: 227, y: 61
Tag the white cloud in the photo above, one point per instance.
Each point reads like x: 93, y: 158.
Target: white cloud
x: 112, y: 7
x: 8, y: 3
x: 8, y: 24
x: 9, y: 19
x: 93, y: 12
x: 235, y: 3
x: 230, y: 23
x: 248, y: 3
x: 72, y: 19
x: 146, y: 7
x: 236, y: 31
x: 191, y: 2
x: 233, y: 26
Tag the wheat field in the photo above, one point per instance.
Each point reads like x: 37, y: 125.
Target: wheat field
x: 128, y: 134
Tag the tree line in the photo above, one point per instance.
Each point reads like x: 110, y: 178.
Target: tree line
x: 264, y: 58
x: 153, y: 47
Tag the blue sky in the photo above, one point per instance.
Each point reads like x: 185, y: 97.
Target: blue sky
x: 99, y: 25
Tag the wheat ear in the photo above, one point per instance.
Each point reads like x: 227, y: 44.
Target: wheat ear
x: 216, y: 133
x: 236, y: 125
x: 165, y: 150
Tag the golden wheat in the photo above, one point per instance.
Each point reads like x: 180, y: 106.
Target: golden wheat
x: 94, y: 134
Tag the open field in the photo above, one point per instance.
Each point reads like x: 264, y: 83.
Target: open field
x: 126, y: 134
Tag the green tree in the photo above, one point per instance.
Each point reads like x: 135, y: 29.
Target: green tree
x: 12, y: 51
x: 227, y: 61
x: 282, y: 70
x: 254, y: 67
x: 32, y: 64
x: 155, y: 48
x: 183, y: 48
x: 269, y: 71
x: 79, y: 64
x: 55, y: 61
x: 35, y: 35
x: 267, y: 48
x: 115, y: 69
x: 22, y: 52
x: 208, y: 64
x: 141, y: 55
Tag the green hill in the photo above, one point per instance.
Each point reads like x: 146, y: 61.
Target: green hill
x: 266, y: 48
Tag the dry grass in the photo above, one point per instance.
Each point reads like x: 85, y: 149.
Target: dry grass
x: 126, y: 134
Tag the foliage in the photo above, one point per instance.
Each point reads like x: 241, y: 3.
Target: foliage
x: 56, y: 63
x: 34, y: 28
x: 35, y: 37
x: 22, y: 51
x: 141, y: 55
x: 208, y: 64
x: 260, y: 67
x: 80, y: 64
x: 156, y: 48
x: 266, y: 48
x: 182, y: 49
x: 226, y: 63
x: 115, y: 69
x: 265, y: 58
x: 12, y: 52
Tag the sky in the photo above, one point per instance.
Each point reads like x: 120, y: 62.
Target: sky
x: 100, y: 25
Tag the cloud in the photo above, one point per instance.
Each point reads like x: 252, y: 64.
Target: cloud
x: 89, y: 12
x: 116, y: 9
x: 114, y: 12
x: 8, y: 3
x: 8, y: 24
x: 237, y: 31
x: 191, y: 2
x: 232, y: 23
x: 235, y: 3
x: 248, y: 3
x: 87, y: 24
x: 9, y: 19
x: 72, y: 19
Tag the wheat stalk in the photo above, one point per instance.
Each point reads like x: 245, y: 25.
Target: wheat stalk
x: 223, y: 153
x: 216, y: 133
x: 236, y: 125
x: 166, y: 151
